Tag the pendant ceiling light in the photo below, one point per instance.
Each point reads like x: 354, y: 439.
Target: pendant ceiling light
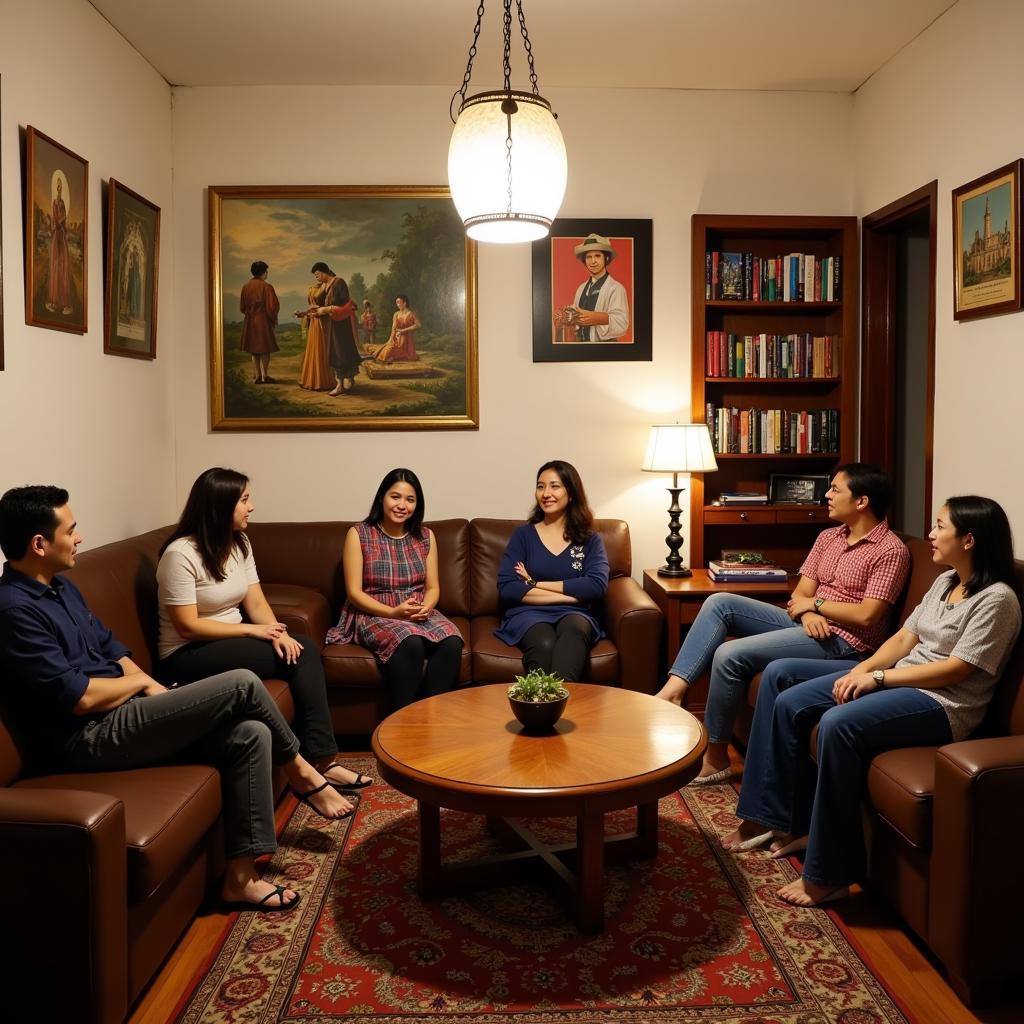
x: 506, y: 161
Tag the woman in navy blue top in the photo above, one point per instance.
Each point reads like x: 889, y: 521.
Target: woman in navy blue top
x: 553, y: 575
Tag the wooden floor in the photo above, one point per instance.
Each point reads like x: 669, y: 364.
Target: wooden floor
x: 893, y: 955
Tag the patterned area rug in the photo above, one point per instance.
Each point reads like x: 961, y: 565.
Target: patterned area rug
x: 695, y: 935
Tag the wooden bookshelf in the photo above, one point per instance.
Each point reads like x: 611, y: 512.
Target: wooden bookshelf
x: 783, y: 532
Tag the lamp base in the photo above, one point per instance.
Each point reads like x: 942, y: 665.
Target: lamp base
x: 674, y: 574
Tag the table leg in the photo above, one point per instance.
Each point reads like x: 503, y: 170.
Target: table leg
x: 429, y: 873
x: 647, y: 829
x: 590, y: 872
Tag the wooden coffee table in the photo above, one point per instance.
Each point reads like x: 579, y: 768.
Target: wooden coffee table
x: 612, y: 749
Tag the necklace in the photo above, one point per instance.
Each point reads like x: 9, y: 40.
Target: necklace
x: 963, y: 593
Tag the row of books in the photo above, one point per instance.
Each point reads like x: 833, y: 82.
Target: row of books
x: 771, y: 355
x: 772, y: 431
x: 724, y: 571
x: 795, y: 277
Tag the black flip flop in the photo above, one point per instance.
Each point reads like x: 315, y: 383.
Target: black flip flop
x: 362, y: 781
x: 229, y: 906
x: 304, y: 797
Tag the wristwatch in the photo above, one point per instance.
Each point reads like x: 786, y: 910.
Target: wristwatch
x: 818, y: 602
x: 879, y: 676
x: 530, y: 583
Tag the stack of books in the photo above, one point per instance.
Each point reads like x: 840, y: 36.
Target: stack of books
x: 742, y: 498
x: 745, y: 567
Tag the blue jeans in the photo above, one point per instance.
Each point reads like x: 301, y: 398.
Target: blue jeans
x: 783, y: 789
x: 765, y: 634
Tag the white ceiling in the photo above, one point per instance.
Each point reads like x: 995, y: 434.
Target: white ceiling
x: 816, y: 45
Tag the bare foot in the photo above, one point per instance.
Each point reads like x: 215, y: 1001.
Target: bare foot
x: 253, y: 891
x: 787, y: 845
x: 673, y: 691
x: 802, y: 893
x: 740, y: 838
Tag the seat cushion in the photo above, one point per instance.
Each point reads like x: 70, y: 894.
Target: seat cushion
x: 901, y: 784
x: 495, y: 662
x: 167, y: 813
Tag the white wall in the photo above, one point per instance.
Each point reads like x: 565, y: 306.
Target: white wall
x: 657, y: 154
x: 948, y: 107
x: 102, y: 426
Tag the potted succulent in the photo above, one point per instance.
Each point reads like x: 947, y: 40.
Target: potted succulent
x: 538, y: 700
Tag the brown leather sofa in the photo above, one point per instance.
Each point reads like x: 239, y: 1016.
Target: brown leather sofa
x: 104, y: 871
x: 945, y: 832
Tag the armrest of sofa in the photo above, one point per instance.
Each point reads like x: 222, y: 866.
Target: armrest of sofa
x: 301, y: 609
x: 63, y: 861
x: 976, y: 906
x: 634, y: 623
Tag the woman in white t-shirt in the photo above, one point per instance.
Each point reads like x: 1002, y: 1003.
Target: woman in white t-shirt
x: 927, y: 686
x: 206, y: 579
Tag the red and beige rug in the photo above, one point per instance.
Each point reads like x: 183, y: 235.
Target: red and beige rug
x: 695, y: 935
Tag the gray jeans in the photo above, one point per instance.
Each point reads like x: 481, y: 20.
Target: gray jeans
x: 228, y: 720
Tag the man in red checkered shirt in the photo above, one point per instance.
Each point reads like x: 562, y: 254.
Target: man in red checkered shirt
x: 839, y: 611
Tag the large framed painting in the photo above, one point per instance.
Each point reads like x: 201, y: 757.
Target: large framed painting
x: 56, y: 235
x: 133, y: 255
x: 986, y: 244
x: 341, y: 308
x: 1, y: 273
x: 592, y: 291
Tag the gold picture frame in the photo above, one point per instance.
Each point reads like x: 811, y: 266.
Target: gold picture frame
x: 277, y: 364
x: 56, y: 235
x: 986, y: 244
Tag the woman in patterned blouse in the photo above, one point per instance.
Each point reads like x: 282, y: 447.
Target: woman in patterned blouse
x: 391, y: 578
x: 552, y: 577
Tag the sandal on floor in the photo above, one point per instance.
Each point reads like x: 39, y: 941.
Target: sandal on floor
x: 725, y: 775
x: 229, y: 906
x: 362, y: 781
x: 753, y: 843
x: 304, y: 797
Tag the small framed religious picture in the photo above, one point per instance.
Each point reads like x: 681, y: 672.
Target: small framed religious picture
x: 56, y: 235
x: 986, y: 244
x: 592, y: 291
x: 130, y: 285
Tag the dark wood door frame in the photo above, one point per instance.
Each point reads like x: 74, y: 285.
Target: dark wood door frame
x: 878, y: 359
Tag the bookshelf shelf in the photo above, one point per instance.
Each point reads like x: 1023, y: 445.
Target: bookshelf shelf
x: 782, y: 532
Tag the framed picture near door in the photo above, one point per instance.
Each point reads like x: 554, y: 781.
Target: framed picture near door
x: 986, y: 244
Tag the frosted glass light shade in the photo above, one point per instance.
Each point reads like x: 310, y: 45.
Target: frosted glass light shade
x: 479, y: 172
x: 679, y: 448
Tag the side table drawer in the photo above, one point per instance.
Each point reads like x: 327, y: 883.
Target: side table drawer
x: 812, y: 514
x: 740, y: 516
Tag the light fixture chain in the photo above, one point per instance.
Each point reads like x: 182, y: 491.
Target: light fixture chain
x: 507, y: 59
x: 528, y: 46
x: 469, y: 63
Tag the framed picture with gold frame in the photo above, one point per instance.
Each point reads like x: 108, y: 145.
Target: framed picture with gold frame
x: 56, y: 235
x: 133, y: 256
x: 341, y: 308
x: 986, y: 244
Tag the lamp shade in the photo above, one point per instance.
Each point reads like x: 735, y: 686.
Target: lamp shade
x: 507, y: 193
x: 679, y: 448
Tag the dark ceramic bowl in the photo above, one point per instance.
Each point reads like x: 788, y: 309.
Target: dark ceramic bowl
x: 538, y: 716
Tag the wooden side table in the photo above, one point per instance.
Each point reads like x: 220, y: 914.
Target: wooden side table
x: 681, y: 599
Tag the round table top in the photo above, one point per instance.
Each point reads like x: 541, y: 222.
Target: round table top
x: 465, y: 750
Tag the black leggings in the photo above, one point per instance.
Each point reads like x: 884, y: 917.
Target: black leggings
x: 404, y: 675
x: 305, y: 679
x: 562, y: 648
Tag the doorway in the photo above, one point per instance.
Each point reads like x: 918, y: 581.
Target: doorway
x: 898, y: 351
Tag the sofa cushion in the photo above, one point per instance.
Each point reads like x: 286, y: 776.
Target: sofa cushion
x: 900, y: 785
x: 167, y: 812
x: 495, y: 662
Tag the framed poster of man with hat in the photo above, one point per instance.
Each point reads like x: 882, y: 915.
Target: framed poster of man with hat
x: 592, y: 291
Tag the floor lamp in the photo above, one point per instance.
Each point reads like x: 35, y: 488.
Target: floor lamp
x: 678, y: 448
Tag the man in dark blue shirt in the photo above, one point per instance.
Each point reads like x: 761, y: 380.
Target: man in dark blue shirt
x: 92, y: 708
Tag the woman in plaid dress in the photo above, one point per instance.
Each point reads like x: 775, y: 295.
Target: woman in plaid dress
x: 391, y: 577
